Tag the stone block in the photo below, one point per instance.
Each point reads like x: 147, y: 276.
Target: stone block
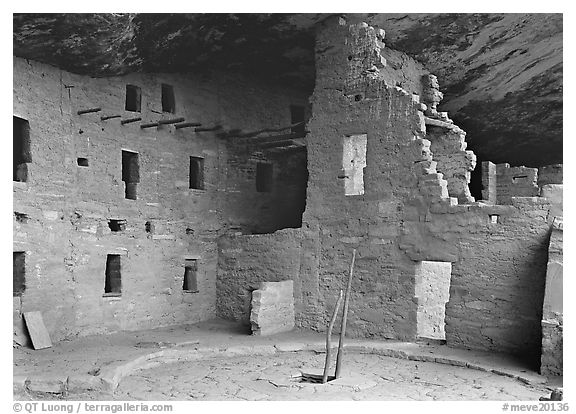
x: 53, y: 385
x: 272, y: 308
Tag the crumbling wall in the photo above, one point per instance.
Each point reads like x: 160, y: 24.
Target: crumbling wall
x: 515, y: 182
x: 68, y: 205
x: 448, y: 147
x: 550, y: 174
x: 416, y: 173
x: 352, y: 97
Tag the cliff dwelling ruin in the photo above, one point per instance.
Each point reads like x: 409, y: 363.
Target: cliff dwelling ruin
x: 188, y: 192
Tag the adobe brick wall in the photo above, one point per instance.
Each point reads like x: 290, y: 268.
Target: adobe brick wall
x: 66, y: 238
x: 245, y: 261
x: 407, y: 215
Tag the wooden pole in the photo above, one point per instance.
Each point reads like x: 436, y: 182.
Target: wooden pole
x: 129, y: 121
x: 344, y: 318
x: 187, y: 125
x: 105, y: 118
x: 329, y: 338
x: 170, y: 121
x: 89, y: 111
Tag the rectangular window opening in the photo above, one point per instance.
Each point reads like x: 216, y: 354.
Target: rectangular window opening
x: 149, y: 226
x: 117, y: 224
x: 190, y: 283
x: 353, y: 163
x: 130, y: 173
x: 168, y: 101
x: 133, y: 98
x: 21, y: 149
x: 19, y: 273
x: 197, y: 173
x: 113, y: 283
x: 264, y: 177
x: 82, y: 162
x: 296, y: 116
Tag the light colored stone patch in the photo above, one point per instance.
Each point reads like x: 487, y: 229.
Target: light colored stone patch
x: 272, y: 308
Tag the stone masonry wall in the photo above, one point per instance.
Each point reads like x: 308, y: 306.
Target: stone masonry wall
x: 67, y: 207
x: 244, y: 261
x: 553, y: 313
x: 515, y: 182
x: 354, y: 95
x: 407, y: 213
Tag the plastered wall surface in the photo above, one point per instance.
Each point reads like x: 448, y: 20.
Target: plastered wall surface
x: 414, y: 206
x: 66, y: 236
x: 412, y: 212
x: 553, y: 313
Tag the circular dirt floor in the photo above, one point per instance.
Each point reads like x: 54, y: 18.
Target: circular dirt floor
x: 369, y: 377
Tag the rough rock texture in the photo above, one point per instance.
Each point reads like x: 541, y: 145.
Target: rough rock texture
x: 272, y: 308
x: 501, y: 74
x: 552, y: 316
x: 62, y: 213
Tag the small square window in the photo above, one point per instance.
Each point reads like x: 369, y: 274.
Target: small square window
x: 82, y: 162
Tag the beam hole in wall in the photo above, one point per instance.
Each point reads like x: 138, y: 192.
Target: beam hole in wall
x: 19, y: 273
x: 264, y: 177
x: 518, y: 177
x: 353, y: 163
x: 21, y: 149
x: 113, y: 282
x: 130, y: 173
x: 82, y: 162
x: 133, y: 98
x: 117, y: 224
x: 168, y: 101
x: 432, y: 291
x: 196, y: 173
x: 21, y: 218
x: 190, y: 283
x: 296, y: 116
x: 149, y: 226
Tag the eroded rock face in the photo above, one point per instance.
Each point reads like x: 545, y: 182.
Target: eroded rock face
x: 501, y: 74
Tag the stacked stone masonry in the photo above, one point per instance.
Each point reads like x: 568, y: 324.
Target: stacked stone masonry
x: 67, y: 206
x: 414, y: 207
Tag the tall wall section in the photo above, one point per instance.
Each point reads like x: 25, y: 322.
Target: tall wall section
x: 75, y: 187
x: 356, y: 95
x: 406, y: 209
